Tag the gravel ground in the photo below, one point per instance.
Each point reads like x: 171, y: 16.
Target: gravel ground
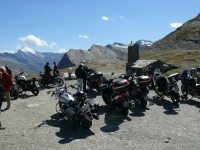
x: 32, y: 123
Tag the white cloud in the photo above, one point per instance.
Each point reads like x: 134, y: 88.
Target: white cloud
x: 83, y: 36
x: 175, y: 25
x: 105, y: 18
x: 31, y: 40
x: 63, y: 50
x: 52, y: 44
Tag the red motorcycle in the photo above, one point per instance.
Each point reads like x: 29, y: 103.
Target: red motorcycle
x: 138, y: 91
x: 53, y: 80
x: 115, y: 94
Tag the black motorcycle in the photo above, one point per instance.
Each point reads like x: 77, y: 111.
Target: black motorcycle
x: 94, y: 80
x: 24, y: 84
x: 54, y: 80
x: 189, y: 87
x: 168, y: 87
x: 75, y: 109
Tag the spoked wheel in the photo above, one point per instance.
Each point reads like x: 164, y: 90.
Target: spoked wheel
x: 58, y: 82
x: 158, y: 92
x: 19, y: 88
x: 35, y: 90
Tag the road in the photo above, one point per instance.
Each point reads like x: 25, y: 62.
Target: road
x: 32, y: 123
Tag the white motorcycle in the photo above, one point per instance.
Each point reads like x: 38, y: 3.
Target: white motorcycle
x: 75, y: 107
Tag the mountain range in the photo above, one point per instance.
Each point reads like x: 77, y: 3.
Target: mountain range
x: 28, y: 60
x: 98, y: 53
x: 186, y: 37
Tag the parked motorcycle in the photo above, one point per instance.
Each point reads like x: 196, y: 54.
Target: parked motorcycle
x: 94, y: 80
x: 115, y: 94
x: 53, y: 80
x: 24, y: 84
x: 77, y: 110
x: 189, y: 86
x: 168, y: 87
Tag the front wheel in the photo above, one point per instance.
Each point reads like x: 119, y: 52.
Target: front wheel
x: 86, y: 124
x: 158, y: 91
x: 34, y: 90
x: 125, y: 112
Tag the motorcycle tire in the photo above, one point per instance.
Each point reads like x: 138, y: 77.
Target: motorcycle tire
x: 184, y: 90
x: 58, y: 82
x: 125, y: 112
x: 20, y: 90
x: 157, y: 92
x: 14, y: 94
x: 143, y: 104
x: 41, y: 83
x: 86, y: 124
x: 34, y: 90
x: 106, y: 99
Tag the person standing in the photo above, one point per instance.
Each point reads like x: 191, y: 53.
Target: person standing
x: 55, y: 69
x: 6, y: 81
x: 47, y: 71
x: 1, y: 99
x: 81, y: 77
x: 70, y: 73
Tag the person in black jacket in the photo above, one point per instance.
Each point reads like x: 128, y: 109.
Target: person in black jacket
x: 47, y: 71
x: 55, y: 69
x: 81, y: 76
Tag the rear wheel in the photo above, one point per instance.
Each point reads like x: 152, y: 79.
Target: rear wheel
x: 41, y: 83
x: 58, y: 82
x: 14, y: 94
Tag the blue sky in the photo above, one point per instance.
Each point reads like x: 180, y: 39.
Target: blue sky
x: 60, y: 25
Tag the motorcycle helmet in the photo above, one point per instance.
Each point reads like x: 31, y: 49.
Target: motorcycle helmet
x: 185, y: 73
x: 80, y: 96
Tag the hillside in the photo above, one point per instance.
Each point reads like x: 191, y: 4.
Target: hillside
x: 186, y: 37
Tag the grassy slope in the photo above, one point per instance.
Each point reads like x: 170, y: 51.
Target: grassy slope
x: 185, y: 59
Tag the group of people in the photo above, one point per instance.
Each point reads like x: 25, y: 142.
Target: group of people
x: 47, y: 71
x: 5, y: 88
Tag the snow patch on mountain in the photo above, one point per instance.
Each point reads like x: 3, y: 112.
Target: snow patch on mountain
x: 28, y: 50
